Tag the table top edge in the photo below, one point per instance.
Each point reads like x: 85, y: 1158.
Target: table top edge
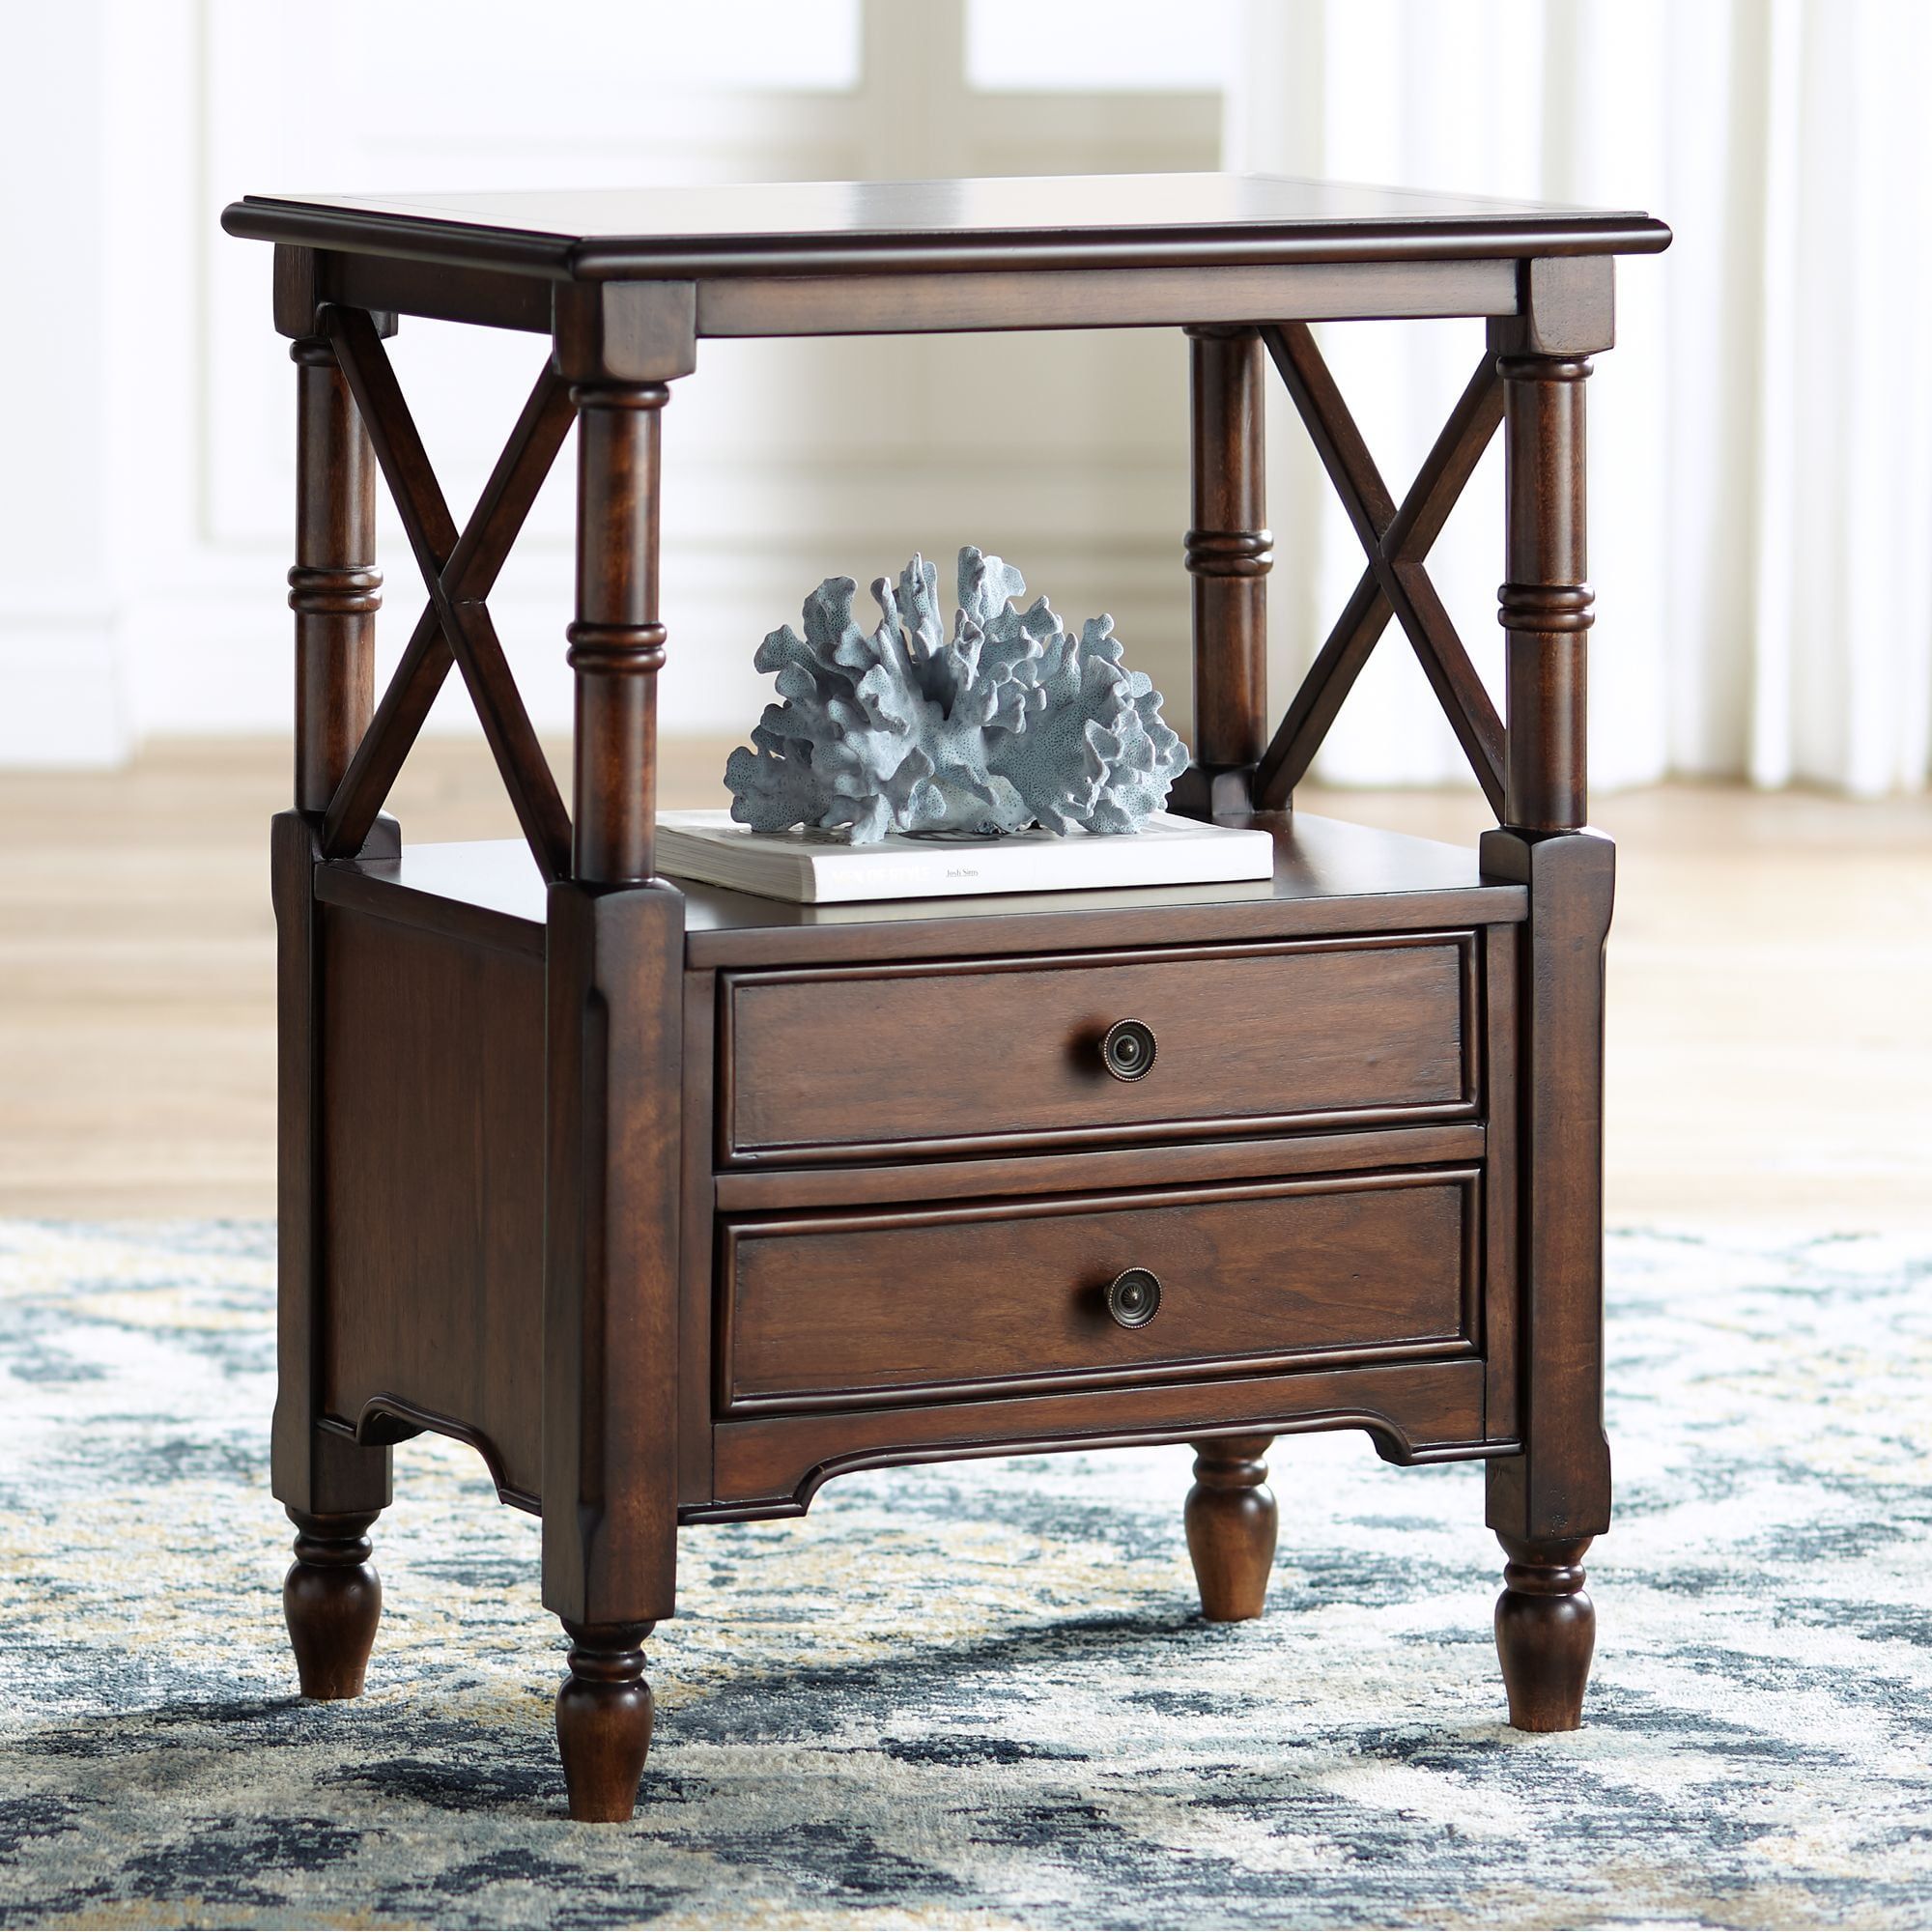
x: 446, y: 233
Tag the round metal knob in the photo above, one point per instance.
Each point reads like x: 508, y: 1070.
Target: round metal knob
x: 1133, y: 1297
x: 1127, y: 1050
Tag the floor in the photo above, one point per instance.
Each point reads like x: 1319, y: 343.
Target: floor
x: 1771, y: 979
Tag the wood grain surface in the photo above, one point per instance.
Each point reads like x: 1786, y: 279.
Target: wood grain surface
x: 828, y: 1310
x: 1011, y: 1051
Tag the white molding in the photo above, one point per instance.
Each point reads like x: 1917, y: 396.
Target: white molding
x: 152, y: 531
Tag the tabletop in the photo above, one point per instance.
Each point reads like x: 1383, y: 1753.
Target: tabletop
x: 1046, y: 222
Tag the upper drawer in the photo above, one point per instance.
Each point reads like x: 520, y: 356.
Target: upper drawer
x: 975, y: 1054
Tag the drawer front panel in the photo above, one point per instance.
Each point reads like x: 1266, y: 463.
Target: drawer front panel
x: 852, y: 1309
x: 820, y: 1066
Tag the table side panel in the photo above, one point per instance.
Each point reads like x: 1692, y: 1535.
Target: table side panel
x: 432, y: 1184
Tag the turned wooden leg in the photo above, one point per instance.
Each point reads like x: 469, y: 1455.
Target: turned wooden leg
x: 603, y: 1716
x: 1548, y: 1502
x: 612, y: 1160
x: 1231, y: 1526
x: 331, y: 1487
x: 1546, y: 1630
x: 1228, y: 554
x: 333, y: 1600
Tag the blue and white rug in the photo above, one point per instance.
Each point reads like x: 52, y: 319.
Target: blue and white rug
x: 979, y: 1694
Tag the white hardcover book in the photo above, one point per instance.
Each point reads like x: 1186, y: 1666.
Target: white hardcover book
x: 815, y: 869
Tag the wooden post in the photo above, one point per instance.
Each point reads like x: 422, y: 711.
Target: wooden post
x: 1547, y: 1503
x: 1227, y: 550
x: 613, y: 1100
x: 616, y: 644
x: 334, y: 588
x: 1546, y: 602
x: 332, y: 1487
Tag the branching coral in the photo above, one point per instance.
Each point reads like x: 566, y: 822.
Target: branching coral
x: 1012, y: 720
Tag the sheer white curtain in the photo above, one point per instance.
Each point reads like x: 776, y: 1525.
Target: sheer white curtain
x: 1761, y: 438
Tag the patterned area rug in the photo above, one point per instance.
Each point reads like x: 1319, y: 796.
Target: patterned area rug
x: 979, y: 1694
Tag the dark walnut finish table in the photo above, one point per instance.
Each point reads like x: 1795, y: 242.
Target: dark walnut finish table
x: 675, y: 1202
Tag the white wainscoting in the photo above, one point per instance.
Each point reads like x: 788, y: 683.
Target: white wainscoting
x: 145, y: 538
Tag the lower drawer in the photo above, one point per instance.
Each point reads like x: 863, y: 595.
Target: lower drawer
x: 833, y: 1309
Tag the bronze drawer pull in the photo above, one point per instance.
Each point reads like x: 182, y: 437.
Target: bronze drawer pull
x: 1133, y: 1297
x: 1127, y: 1050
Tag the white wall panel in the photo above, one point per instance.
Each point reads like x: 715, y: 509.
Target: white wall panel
x: 784, y: 461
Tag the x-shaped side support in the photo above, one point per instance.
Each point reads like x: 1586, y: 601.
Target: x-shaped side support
x: 455, y: 626
x: 1395, y: 582
x: 459, y: 571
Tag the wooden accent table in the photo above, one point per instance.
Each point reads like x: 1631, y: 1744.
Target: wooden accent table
x: 599, y: 1173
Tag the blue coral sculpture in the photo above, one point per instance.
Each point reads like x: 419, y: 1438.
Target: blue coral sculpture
x: 1012, y: 722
